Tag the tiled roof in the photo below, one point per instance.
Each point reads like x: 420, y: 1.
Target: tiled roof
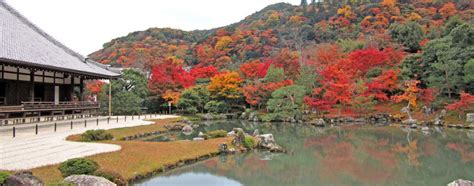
x: 23, y: 43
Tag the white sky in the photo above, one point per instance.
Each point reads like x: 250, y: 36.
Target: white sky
x: 84, y: 25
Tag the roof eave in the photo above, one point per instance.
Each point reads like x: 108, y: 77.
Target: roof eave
x: 35, y: 65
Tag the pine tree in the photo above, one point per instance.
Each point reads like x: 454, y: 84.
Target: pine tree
x: 304, y: 3
x: 312, y: 11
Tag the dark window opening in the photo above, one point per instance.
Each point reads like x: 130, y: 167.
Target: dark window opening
x: 3, y: 93
x: 39, y: 92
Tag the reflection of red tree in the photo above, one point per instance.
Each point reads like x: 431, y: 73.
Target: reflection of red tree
x: 342, y: 158
x: 320, y: 141
x: 463, y: 149
x: 253, y: 164
x: 385, y: 156
x: 429, y: 148
x: 211, y: 164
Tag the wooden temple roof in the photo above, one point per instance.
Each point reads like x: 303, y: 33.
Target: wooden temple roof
x: 24, y: 44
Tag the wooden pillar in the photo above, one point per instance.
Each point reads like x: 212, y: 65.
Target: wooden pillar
x: 110, y: 97
x: 3, y: 69
x: 16, y: 85
x: 81, y: 89
x: 72, y: 88
x: 32, y: 85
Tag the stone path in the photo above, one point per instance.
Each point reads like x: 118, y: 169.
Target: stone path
x: 28, y: 150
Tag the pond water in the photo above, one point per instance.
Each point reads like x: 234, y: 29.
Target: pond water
x: 350, y: 155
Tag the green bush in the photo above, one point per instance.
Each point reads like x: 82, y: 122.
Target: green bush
x: 216, y: 107
x: 112, y: 176
x: 96, y: 135
x: 249, y: 142
x: 217, y: 133
x: 3, y: 176
x: 78, y: 166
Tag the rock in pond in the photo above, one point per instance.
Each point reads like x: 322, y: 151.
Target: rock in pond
x: 470, y: 117
x: 461, y: 182
x: 256, y: 132
x: 318, y: 122
x: 409, y: 122
x: 267, y: 141
x: 86, y: 180
x: 231, y: 133
x: 187, y: 128
x: 23, y: 178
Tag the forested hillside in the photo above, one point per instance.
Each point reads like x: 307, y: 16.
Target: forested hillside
x: 329, y: 57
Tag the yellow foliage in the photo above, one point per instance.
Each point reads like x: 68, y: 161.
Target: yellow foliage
x: 171, y: 96
x: 389, y: 3
x: 296, y: 19
x: 414, y: 17
x: 175, y: 60
x: 225, y: 85
x: 345, y: 11
x: 223, y: 42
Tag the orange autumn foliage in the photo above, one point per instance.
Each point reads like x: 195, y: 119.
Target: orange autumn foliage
x: 410, y: 93
x: 225, y: 85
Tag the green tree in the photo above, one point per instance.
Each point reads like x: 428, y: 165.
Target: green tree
x: 411, y: 67
x: 274, y: 74
x: 307, y: 78
x: 409, y: 34
x: 216, y: 107
x: 469, y: 71
x: 128, y: 93
x: 445, y: 59
x: 286, y: 103
x: 194, y: 99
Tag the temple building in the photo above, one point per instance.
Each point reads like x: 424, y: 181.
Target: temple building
x: 39, y: 76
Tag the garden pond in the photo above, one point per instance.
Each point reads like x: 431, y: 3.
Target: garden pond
x: 344, y: 155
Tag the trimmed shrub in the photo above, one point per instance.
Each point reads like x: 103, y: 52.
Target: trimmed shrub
x: 112, y: 176
x: 78, y: 166
x: 3, y: 176
x: 96, y: 135
x: 217, y: 133
x: 249, y: 142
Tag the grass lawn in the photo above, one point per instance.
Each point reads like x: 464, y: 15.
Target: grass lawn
x: 139, y: 157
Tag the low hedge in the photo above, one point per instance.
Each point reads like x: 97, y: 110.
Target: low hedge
x: 3, y: 176
x: 96, y: 135
x: 249, y: 142
x: 78, y: 166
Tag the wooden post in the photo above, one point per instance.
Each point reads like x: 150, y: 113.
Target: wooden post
x: 32, y: 85
x: 71, y: 97
x: 81, y: 89
x: 110, y: 97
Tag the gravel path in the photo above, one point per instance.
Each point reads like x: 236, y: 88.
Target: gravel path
x: 29, y: 150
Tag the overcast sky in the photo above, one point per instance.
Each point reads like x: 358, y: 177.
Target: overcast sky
x: 84, y: 25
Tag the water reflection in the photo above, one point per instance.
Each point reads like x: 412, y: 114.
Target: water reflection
x: 348, y: 155
x: 191, y: 178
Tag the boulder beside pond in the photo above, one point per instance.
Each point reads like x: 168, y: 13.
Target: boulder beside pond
x: 86, y: 180
x: 23, y: 178
x: 267, y: 141
x: 461, y: 182
x: 470, y: 117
